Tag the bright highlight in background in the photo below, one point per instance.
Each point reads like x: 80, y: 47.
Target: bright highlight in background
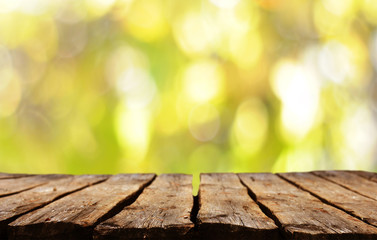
x: 203, y: 81
x: 108, y: 86
x: 299, y: 93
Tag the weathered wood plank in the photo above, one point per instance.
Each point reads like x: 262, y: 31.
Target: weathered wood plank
x: 369, y: 175
x: 351, y: 181
x: 226, y: 211
x: 353, y: 203
x: 18, y: 204
x: 13, y: 175
x: 372, y: 176
x: 11, y: 186
x: 301, y: 215
x: 72, y: 217
x: 162, y: 211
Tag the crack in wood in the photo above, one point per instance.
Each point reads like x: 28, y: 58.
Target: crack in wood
x: 121, y: 205
x: 4, y: 223
x: 324, y: 200
x: 318, y: 173
x: 265, y: 209
x: 298, y: 210
x: 193, y: 217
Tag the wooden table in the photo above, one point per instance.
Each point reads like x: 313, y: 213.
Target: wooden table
x: 314, y: 205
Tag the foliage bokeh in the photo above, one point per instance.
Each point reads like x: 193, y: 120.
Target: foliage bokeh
x: 108, y: 86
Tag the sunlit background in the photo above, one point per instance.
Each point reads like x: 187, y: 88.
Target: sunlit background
x: 108, y: 86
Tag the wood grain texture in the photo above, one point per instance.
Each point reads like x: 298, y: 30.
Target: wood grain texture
x: 301, y: 215
x: 16, y: 185
x: 372, y: 176
x: 13, y: 175
x: 73, y: 216
x: 351, y: 181
x: 351, y: 202
x: 162, y: 211
x: 317, y: 205
x: 226, y: 211
x: 18, y: 204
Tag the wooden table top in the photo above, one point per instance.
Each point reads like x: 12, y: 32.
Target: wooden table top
x: 311, y: 205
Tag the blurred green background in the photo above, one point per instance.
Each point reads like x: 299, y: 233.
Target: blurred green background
x: 108, y: 86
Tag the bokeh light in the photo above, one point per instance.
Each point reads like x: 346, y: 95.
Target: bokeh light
x: 250, y: 126
x: 298, y: 91
x: 204, y: 122
x: 10, y: 92
x: 203, y: 81
x: 108, y: 86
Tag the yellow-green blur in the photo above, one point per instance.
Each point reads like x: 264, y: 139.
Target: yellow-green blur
x: 109, y: 86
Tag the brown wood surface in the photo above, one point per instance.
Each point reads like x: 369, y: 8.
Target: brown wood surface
x: 18, y: 204
x: 161, y: 212
x: 351, y: 181
x: 351, y: 202
x: 226, y: 211
x: 16, y: 185
x: 368, y: 175
x: 73, y: 216
x: 13, y: 175
x: 321, y: 205
x: 301, y: 215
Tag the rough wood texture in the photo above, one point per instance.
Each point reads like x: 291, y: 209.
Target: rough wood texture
x: 318, y: 206
x: 72, y: 217
x: 16, y: 185
x: 162, y: 211
x: 351, y: 181
x: 301, y: 215
x: 226, y: 211
x: 368, y: 175
x: 353, y: 203
x: 18, y: 204
x: 13, y: 175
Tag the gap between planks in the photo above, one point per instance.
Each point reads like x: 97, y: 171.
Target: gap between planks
x: 336, y: 195
x: 196, y: 208
x: 351, y: 181
x: 265, y: 209
x: 74, y: 216
x: 15, y: 206
x: 304, y: 216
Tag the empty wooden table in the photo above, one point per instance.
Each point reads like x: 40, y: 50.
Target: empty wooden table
x: 310, y: 205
